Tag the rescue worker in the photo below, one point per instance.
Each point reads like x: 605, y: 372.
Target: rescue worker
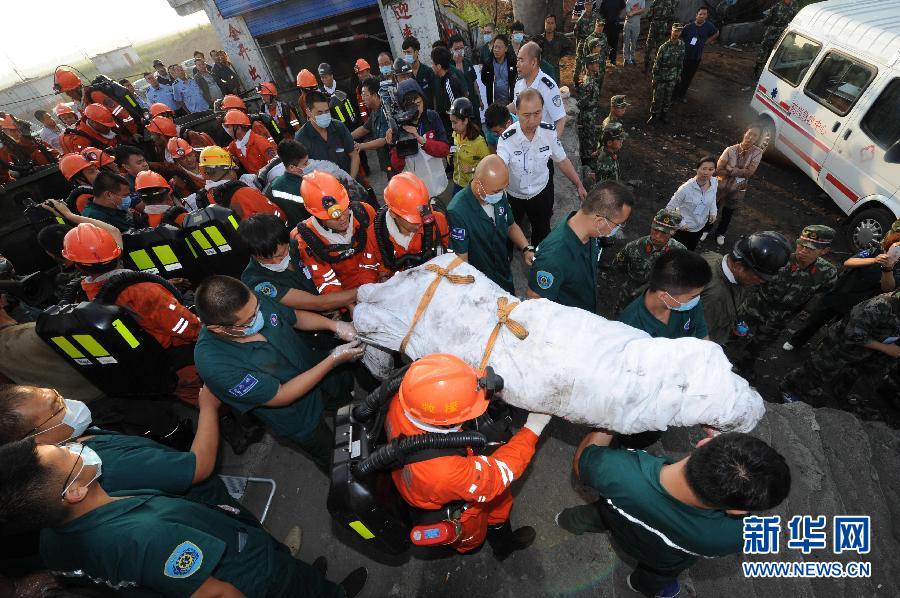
x: 251, y: 150
x: 660, y: 15
x: 666, y: 74
x: 588, y: 112
x: 607, y: 162
x: 67, y: 82
x: 596, y: 43
x: 250, y: 355
x: 481, y: 221
x: 777, y: 19
x: 636, y: 259
x: 584, y: 26
x: 285, y: 190
x: 617, y: 107
x: 275, y: 270
x: 284, y: 115
x: 111, y: 201
x: 101, y: 159
x: 187, y: 179
x: 232, y: 102
x: 217, y: 166
x: 408, y: 232
x: 439, y: 394
x: 326, y: 138
x: 565, y: 264
x: 336, y: 227
x: 96, y: 128
x: 81, y: 174
x: 170, y: 546
x: 162, y: 129
x: 159, y: 204
x: 97, y: 253
x: 66, y: 115
x: 23, y: 150
x: 771, y: 306
x: 363, y: 71
x: 161, y: 109
x: 754, y: 260
x: 343, y: 107
x: 306, y: 82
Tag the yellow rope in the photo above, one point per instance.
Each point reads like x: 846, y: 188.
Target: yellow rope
x: 504, y: 309
x: 442, y: 273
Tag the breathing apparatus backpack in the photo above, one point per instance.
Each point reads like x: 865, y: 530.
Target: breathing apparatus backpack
x: 362, y: 497
x: 338, y: 252
x: 125, y: 98
x: 211, y: 235
x: 430, y: 243
x: 162, y: 250
x: 104, y: 342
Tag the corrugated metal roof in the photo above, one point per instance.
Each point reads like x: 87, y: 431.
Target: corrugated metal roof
x: 871, y: 27
x: 234, y: 8
x: 290, y: 14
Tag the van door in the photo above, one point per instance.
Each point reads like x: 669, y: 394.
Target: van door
x: 856, y: 166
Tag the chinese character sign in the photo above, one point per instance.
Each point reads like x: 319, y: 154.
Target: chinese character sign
x: 410, y: 18
x: 807, y: 533
x: 241, y: 47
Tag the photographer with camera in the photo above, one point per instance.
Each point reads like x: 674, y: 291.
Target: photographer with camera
x: 419, y: 142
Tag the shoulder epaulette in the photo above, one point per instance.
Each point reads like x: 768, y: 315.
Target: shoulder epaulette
x: 548, y: 126
x: 509, y: 132
x: 548, y: 82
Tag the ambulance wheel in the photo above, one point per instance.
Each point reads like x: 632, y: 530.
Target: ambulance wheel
x: 868, y: 225
x: 766, y: 135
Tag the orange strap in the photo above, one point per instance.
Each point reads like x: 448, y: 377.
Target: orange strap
x: 442, y: 273
x: 504, y: 309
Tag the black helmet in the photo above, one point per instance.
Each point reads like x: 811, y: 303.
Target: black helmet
x: 401, y: 67
x: 765, y: 252
x: 325, y: 69
x: 461, y: 108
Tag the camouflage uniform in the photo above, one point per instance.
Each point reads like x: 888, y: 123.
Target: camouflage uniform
x: 614, y: 102
x: 607, y: 162
x: 836, y: 364
x: 660, y: 15
x: 780, y: 15
x: 666, y: 72
x: 636, y: 259
x: 589, y: 114
x: 596, y: 43
x: 584, y: 27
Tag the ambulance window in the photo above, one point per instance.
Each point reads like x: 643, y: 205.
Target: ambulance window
x: 882, y: 121
x: 793, y: 57
x: 838, y: 82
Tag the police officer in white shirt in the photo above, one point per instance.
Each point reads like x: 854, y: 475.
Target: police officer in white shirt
x: 527, y: 146
x: 531, y: 76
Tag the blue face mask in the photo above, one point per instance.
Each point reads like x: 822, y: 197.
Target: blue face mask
x: 409, y: 58
x: 386, y: 69
x: 323, y: 120
x: 256, y: 325
x: 125, y: 203
x: 518, y: 37
x: 487, y: 37
x: 494, y: 198
x: 684, y: 306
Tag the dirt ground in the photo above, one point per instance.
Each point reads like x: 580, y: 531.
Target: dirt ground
x: 655, y: 160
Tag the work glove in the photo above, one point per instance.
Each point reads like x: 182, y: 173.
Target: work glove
x: 344, y: 331
x: 536, y: 422
x: 348, y: 352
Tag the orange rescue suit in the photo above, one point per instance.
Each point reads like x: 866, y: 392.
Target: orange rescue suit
x: 82, y: 136
x: 118, y: 111
x: 481, y: 481
x: 247, y: 202
x: 415, y: 245
x: 259, y: 151
x: 154, y: 220
x: 358, y: 269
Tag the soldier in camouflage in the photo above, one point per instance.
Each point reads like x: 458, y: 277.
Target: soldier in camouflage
x: 584, y: 27
x: 661, y: 16
x: 607, y: 162
x: 780, y: 15
x: 771, y: 306
x: 636, y: 259
x: 596, y: 43
x: 589, y: 111
x: 617, y: 107
x: 865, y: 342
x: 666, y: 74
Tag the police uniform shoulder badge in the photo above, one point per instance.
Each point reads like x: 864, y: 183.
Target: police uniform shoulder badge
x: 458, y: 233
x: 273, y: 319
x: 557, y: 100
x: 548, y: 126
x: 548, y: 82
x: 509, y: 132
x: 266, y: 288
x: 184, y: 561
x: 544, y: 279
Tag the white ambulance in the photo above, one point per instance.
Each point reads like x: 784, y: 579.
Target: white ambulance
x: 829, y: 100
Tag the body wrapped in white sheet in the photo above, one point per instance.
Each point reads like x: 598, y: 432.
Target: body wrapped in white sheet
x: 573, y: 364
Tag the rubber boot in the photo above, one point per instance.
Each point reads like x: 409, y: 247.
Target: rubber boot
x: 354, y: 582
x: 504, y: 541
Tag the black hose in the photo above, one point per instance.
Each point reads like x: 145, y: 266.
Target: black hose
x: 388, y: 456
x: 378, y: 397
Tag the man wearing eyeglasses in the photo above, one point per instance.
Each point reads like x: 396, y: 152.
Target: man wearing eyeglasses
x: 251, y: 357
x: 565, y: 265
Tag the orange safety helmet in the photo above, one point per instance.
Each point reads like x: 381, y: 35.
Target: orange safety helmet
x: 236, y: 117
x: 323, y: 195
x: 442, y: 389
x: 267, y: 89
x: 8, y: 123
x: 147, y: 179
x: 232, y: 102
x: 407, y: 196
x: 100, y: 114
x: 163, y: 125
x: 305, y: 79
x: 64, y: 80
x: 178, y: 147
x: 61, y: 109
x: 90, y: 244
x: 158, y: 108
x: 71, y: 164
x: 360, y: 65
x: 97, y: 157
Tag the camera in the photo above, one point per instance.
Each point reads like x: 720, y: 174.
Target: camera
x: 397, y: 118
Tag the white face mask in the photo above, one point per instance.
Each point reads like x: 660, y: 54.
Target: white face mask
x: 280, y: 266
x: 77, y: 416
x: 88, y: 458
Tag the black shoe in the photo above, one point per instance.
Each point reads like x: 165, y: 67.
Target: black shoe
x: 504, y: 541
x: 240, y: 431
x: 354, y: 582
x: 321, y: 565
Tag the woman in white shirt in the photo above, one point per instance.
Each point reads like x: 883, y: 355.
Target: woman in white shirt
x: 695, y: 200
